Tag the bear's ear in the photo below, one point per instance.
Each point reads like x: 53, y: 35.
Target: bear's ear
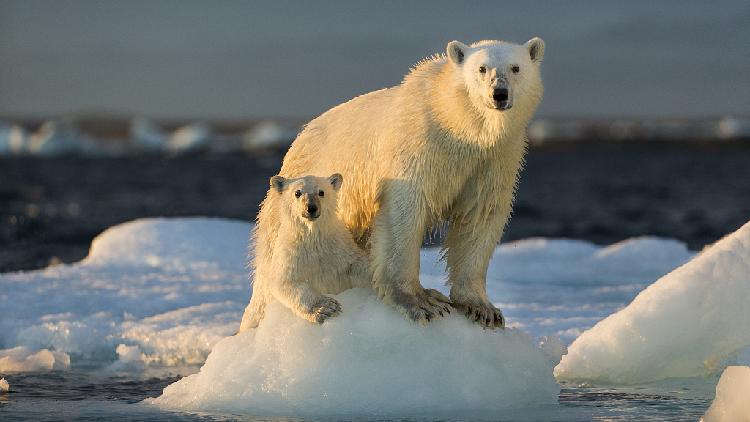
x: 535, y: 46
x: 457, y: 52
x: 278, y: 183
x: 336, y: 180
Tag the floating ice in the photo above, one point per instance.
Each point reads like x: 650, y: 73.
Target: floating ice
x: 4, y: 387
x: 161, y: 285
x: 23, y: 359
x: 368, y: 361
x: 690, y: 322
x: 194, y: 137
x: 732, y: 402
x: 131, y: 359
x: 175, y: 287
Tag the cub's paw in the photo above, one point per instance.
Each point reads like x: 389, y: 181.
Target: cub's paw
x: 481, y: 312
x: 325, y: 308
x: 425, y: 306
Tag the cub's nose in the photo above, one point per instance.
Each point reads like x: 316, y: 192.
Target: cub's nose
x: 500, y: 94
x: 312, y: 209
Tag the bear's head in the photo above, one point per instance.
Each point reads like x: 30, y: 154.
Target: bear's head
x: 500, y: 75
x: 309, y: 197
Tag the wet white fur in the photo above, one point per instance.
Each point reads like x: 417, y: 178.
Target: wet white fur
x: 427, y: 151
x: 296, y: 260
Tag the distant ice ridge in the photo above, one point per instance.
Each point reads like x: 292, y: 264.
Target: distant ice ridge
x: 68, y: 136
x: 368, y: 361
x: 691, y: 322
x: 118, y: 136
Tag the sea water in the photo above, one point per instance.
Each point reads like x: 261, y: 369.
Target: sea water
x: 102, y: 339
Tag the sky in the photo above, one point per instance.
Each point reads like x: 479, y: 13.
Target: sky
x: 292, y: 59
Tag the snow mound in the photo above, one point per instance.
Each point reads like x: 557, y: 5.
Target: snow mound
x: 368, y: 361
x: 732, y: 402
x: 24, y: 359
x: 691, y: 322
x: 172, y: 243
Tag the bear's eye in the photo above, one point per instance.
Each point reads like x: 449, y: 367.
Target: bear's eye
x: 297, y: 194
x: 515, y: 69
x: 482, y: 69
x: 321, y: 193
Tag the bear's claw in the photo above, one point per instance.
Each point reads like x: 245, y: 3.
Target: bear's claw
x: 326, y: 308
x: 484, y: 314
x: 426, y: 306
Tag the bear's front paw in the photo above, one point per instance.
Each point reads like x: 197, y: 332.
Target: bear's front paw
x: 325, y: 308
x: 483, y: 313
x: 427, y: 305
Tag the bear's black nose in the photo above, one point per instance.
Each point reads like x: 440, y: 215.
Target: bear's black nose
x: 500, y: 94
x: 312, y: 209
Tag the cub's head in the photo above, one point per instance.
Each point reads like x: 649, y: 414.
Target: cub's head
x: 308, y: 198
x: 500, y: 75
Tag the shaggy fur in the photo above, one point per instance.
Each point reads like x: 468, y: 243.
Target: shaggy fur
x: 302, y: 250
x: 442, y: 146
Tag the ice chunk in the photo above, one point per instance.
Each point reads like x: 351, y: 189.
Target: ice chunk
x: 732, y: 402
x: 24, y: 359
x: 271, y: 135
x: 131, y: 359
x: 368, y: 361
x: 690, y: 322
x: 194, y: 137
x: 4, y: 387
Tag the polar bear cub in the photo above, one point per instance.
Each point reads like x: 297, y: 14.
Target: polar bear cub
x: 303, y: 250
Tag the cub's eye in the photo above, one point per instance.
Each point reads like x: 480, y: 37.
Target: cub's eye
x: 482, y: 69
x: 321, y: 193
x: 297, y: 194
x: 515, y: 69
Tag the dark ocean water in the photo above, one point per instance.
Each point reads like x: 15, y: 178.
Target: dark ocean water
x: 52, y: 208
x: 90, y: 396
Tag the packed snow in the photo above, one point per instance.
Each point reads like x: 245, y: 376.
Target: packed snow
x: 732, y: 402
x: 158, y: 296
x: 691, y: 322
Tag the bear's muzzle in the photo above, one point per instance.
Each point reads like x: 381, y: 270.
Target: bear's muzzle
x: 312, y: 211
x: 500, y: 98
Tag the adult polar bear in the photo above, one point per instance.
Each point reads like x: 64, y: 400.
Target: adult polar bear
x: 445, y: 145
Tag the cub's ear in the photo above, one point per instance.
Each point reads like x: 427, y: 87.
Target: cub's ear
x: 279, y: 183
x: 457, y: 52
x: 335, y: 180
x: 535, y: 46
